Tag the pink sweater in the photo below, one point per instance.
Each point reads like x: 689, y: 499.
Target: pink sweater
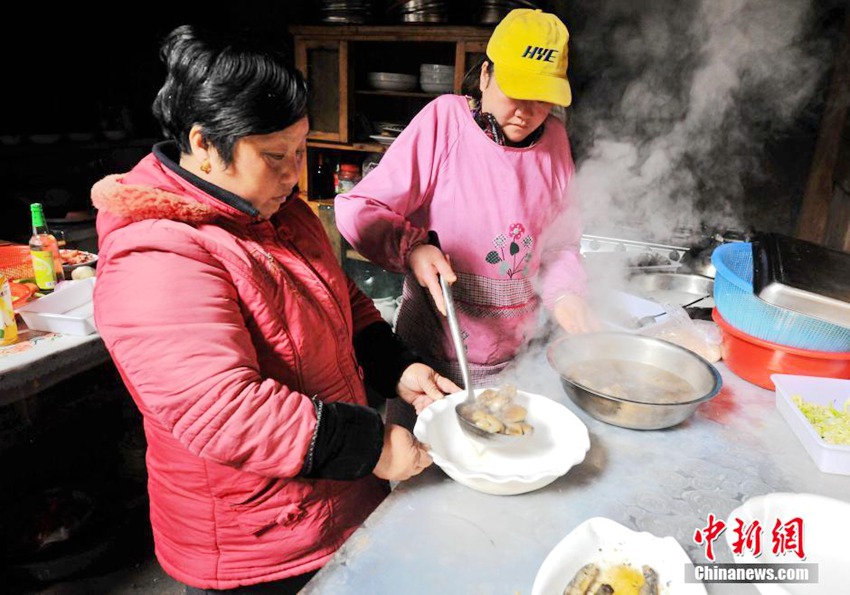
x: 503, y: 215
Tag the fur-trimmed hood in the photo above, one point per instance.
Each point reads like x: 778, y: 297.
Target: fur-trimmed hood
x: 138, y: 202
x: 152, y: 191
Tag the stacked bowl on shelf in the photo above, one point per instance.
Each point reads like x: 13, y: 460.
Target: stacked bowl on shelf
x: 436, y: 78
x: 759, y: 338
x: 346, y: 12
x: 392, y: 81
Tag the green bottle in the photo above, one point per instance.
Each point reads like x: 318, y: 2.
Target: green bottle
x: 46, y: 261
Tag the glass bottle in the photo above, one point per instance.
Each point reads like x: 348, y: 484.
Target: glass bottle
x: 323, y: 178
x: 8, y: 326
x: 349, y: 175
x: 46, y: 261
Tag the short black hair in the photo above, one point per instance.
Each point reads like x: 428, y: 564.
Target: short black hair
x: 471, y: 80
x: 230, y: 85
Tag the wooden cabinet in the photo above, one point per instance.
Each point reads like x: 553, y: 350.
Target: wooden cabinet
x: 825, y: 213
x: 344, y: 107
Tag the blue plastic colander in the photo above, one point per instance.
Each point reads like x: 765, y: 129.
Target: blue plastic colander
x: 740, y: 307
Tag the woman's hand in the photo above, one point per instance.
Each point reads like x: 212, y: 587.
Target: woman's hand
x: 402, y: 457
x: 574, y: 315
x: 420, y: 385
x: 426, y: 262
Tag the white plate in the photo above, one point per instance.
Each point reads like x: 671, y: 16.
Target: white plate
x: 393, y: 129
x: 559, y: 441
x: 382, y: 139
x: 607, y: 543
x: 826, y: 524
x: 829, y: 458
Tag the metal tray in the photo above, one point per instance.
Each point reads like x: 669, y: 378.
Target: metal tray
x: 803, y: 277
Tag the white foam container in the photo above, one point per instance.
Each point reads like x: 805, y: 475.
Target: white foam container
x: 829, y: 458
x: 68, y: 310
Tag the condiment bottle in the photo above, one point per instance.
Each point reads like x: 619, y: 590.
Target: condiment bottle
x: 349, y: 175
x: 323, y: 179
x: 8, y: 326
x: 46, y: 261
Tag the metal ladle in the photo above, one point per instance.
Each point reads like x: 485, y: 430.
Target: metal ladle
x: 472, y: 431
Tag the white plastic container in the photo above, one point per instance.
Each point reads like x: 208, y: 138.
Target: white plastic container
x: 829, y: 458
x: 68, y: 310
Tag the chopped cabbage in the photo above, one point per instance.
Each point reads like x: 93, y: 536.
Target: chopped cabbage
x: 832, y: 425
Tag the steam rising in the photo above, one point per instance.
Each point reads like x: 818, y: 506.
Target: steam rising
x: 681, y: 102
x: 697, y: 88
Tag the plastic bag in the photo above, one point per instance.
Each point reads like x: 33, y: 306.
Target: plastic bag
x: 700, y: 336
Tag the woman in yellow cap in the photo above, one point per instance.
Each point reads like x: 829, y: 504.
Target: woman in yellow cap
x: 488, y: 175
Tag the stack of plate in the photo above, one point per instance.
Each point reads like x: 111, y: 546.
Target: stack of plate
x: 436, y: 78
x: 490, y: 12
x: 355, y: 12
x: 419, y: 11
x: 392, y: 81
x: 386, y: 133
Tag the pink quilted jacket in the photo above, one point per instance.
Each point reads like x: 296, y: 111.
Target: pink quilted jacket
x: 223, y: 326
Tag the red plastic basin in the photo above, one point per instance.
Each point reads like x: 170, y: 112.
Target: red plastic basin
x: 755, y: 360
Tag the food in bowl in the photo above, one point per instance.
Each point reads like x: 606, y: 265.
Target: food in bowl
x: 621, y: 555
x: 560, y: 441
x: 496, y: 412
x: 831, y: 424
x: 625, y: 379
x: 614, y: 579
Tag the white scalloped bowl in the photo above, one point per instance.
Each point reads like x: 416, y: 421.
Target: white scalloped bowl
x: 826, y: 523
x: 609, y: 543
x: 559, y: 441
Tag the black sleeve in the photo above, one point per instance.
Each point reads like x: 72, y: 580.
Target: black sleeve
x: 347, y: 442
x: 383, y: 356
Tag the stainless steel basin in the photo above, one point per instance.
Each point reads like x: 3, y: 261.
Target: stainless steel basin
x: 638, y: 411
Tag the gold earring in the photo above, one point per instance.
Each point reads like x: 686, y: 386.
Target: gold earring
x: 206, y: 167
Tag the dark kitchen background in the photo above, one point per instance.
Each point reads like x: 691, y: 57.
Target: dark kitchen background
x: 698, y: 115
x: 78, y: 90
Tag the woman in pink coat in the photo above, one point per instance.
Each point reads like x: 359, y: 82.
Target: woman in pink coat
x: 239, y: 337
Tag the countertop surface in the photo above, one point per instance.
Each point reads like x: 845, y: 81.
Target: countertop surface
x: 433, y: 535
x: 40, y: 360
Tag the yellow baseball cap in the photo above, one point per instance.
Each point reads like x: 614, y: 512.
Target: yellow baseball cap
x: 529, y: 51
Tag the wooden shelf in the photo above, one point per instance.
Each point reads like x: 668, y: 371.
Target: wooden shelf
x: 403, y: 32
x: 337, y: 59
x: 356, y: 146
x: 417, y: 94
